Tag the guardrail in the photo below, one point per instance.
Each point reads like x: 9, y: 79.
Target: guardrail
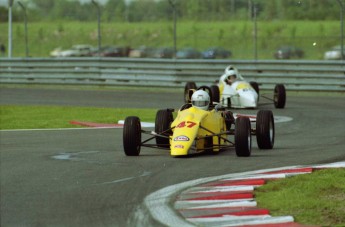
x: 296, y: 75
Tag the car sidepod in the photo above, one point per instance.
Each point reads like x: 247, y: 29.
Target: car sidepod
x: 248, y: 98
x: 239, y: 95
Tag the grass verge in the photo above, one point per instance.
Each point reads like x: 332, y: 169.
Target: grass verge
x: 41, y: 117
x: 314, y: 199
x: 95, y: 87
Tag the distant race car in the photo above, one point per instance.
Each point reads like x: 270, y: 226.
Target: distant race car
x: 240, y: 94
x: 196, y: 131
x: 81, y: 50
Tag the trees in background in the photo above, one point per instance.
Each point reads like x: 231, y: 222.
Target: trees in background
x: 196, y: 10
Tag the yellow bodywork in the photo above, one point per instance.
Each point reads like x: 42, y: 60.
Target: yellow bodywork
x: 188, y: 137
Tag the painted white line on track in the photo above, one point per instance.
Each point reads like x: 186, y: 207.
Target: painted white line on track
x: 143, y: 124
x: 331, y: 165
x: 146, y: 173
x: 72, y: 156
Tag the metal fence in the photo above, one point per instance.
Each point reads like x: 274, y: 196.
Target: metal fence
x: 296, y: 75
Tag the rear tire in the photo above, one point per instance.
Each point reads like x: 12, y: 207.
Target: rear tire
x: 215, y: 93
x: 265, y: 129
x: 255, y: 86
x: 164, y: 118
x: 187, y: 87
x: 243, y: 138
x: 279, y: 96
x: 132, y: 136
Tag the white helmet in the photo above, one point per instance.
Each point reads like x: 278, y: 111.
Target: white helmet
x: 201, y: 99
x: 231, y: 71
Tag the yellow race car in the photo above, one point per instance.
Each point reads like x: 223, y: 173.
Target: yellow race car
x: 195, y: 130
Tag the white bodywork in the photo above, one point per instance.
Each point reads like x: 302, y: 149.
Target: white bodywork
x: 75, y: 51
x: 334, y: 54
x: 240, y: 92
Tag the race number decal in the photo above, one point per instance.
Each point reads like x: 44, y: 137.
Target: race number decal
x: 188, y: 124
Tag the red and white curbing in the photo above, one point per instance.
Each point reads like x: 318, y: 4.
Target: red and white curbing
x: 230, y: 201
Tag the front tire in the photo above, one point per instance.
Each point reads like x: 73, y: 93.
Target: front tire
x: 265, y: 129
x: 132, y: 136
x: 243, y: 138
x: 279, y: 96
x: 164, y: 118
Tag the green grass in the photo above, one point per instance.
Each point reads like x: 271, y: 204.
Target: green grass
x: 41, y: 117
x: 314, y: 199
x: 234, y: 35
x: 95, y: 87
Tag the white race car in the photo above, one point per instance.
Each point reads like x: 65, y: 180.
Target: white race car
x: 239, y: 94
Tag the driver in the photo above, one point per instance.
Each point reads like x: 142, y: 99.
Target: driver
x: 201, y: 100
x: 230, y: 74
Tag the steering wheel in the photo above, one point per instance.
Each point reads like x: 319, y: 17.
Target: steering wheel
x: 208, y: 90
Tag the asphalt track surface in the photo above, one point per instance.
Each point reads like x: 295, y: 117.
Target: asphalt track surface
x: 81, y: 177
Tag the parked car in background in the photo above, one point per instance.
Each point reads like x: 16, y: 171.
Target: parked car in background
x: 141, y: 52
x: 80, y: 50
x: 287, y: 52
x: 188, y: 53
x: 216, y: 52
x: 163, y: 52
x: 334, y: 53
x: 111, y: 51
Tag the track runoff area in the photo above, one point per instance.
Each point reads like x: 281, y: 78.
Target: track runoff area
x: 226, y: 200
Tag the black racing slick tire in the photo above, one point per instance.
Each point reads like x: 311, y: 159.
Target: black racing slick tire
x: 215, y: 93
x: 265, y: 129
x: 255, y: 86
x: 187, y: 87
x: 279, y: 96
x: 164, y: 118
x: 132, y: 136
x: 243, y: 138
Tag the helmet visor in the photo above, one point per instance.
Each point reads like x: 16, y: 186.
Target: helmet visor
x: 200, y: 103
